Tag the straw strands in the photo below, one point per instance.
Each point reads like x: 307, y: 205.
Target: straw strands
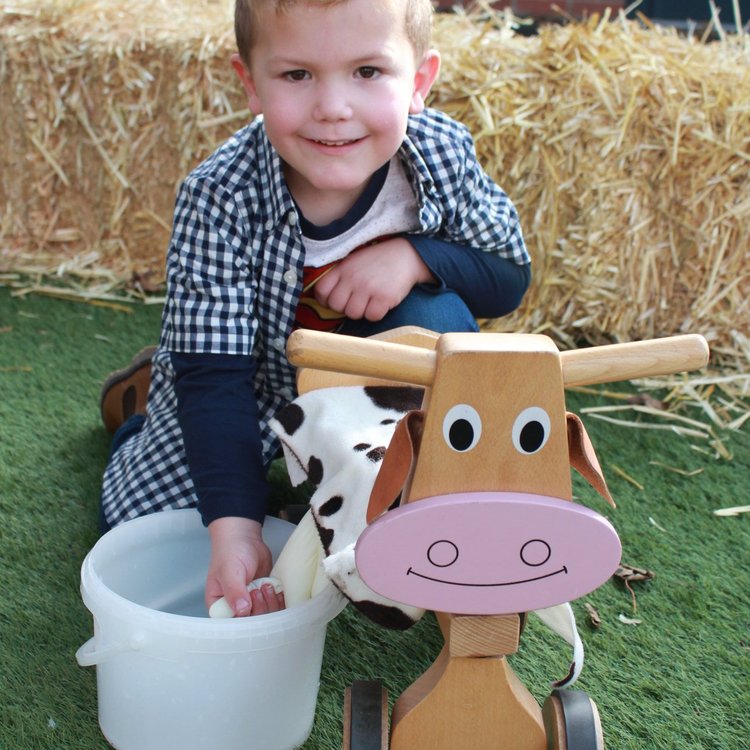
x: 106, y: 105
x: 626, y: 149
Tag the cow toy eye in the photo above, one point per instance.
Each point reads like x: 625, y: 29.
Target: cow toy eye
x: 531, y: 430
x: 462, y: 427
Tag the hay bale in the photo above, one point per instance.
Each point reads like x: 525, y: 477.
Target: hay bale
x: 109, y: 104
x: 626, y: 149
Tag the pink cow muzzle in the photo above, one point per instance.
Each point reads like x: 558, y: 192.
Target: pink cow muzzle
x: 487, y: 553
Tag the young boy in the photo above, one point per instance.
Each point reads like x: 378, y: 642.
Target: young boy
x: 346, y: 180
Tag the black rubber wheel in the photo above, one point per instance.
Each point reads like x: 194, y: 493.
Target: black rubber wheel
x: 571, y: 721
x: 366, y: 716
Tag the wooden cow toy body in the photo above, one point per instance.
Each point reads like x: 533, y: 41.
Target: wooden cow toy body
x: 472, y: 516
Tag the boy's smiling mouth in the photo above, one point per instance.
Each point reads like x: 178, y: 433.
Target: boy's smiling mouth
x: 336, y: 143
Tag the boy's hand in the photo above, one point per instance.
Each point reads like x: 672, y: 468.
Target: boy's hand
x: 373, y: 280
x: 238, y: 556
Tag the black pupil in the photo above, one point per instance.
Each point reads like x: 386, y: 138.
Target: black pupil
x: 532, y: 436
x: 461, y: 434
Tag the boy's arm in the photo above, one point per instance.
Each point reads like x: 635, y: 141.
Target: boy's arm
x: 463, y: 204
x: 489, y: 284
x: 219, y: 420
x: 375, y: 279
x: 474, y: 245
x: 218, y: 416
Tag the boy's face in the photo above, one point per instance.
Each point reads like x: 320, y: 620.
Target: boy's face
x: 335, y: 85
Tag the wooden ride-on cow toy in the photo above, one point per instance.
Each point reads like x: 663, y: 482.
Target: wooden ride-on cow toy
x: 485, y: 527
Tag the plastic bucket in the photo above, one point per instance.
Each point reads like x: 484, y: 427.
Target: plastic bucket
x: 170, y: 677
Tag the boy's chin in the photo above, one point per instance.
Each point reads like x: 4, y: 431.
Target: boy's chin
x: 327, y: 184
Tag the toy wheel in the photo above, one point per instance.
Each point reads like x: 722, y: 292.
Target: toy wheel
x: 366, y: 716
x: 571, y: 721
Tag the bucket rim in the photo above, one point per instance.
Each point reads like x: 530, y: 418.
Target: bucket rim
x: 100, y: 600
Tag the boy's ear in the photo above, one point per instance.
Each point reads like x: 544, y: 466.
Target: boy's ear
x: 246, y: 79
x: 427, y: 72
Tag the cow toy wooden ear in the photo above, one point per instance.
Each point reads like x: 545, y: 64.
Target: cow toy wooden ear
x: 583, y: 457
x: 397, y: 466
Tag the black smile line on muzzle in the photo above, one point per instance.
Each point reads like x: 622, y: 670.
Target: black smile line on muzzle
x: 412, y: 572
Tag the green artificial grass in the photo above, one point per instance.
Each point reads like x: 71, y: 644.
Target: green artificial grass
x: 679, y: 680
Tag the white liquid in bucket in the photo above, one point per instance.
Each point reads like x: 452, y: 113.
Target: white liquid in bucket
x: 170, y: 678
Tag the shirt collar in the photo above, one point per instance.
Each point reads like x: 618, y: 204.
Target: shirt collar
x: 422, y: 183
x: 416, y: 166
x: 275, y: 201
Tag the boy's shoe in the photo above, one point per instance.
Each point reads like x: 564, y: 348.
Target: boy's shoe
x: 125, y: 391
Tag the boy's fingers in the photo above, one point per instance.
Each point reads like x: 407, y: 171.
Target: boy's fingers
x: 273, y: 601
x: 235, y: 592
x: 243, y: 607
x: 376, y: 310
x: 264, y: 600
x: 356, y: 306
x: 260, y: 605
x: 337, y: 298
x: 264, y: 595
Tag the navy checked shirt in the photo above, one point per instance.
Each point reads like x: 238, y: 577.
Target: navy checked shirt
x: 234, y: 272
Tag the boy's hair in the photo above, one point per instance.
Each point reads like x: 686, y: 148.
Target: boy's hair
x: 418, y: 21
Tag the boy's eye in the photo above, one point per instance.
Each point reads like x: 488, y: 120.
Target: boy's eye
x: 367, y: 71
x: 296, y: 75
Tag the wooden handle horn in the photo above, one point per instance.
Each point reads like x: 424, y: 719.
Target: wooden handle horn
x: 354, y: 356
x: 634, y: 359
x: 411, y: 364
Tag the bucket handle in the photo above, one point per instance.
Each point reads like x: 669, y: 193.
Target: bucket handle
x: 89, y: 655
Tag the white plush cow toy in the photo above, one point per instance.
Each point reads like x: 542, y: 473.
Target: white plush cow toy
x: 336, y: 438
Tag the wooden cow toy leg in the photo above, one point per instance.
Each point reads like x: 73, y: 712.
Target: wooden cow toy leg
x: 470, y: 697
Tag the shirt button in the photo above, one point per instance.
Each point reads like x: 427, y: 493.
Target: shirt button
x: 290, y: 276
x: 279, y: 344
x: 291, y: 218
x: 287, y: 393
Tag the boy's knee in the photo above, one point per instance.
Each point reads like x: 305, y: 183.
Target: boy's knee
x: 437, y: 311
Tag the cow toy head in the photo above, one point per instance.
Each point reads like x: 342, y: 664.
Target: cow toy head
x: 485, y: 524
x: 472, y: 508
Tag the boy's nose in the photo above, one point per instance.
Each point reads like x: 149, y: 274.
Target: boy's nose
x: 332, y: 104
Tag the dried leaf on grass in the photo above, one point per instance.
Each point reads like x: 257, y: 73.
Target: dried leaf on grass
x: 655, y: 524
x: 593, y: 615
x: 628, y: 620
x: 624, y: 475
x: 736, y: 511
x: 628, y: 575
